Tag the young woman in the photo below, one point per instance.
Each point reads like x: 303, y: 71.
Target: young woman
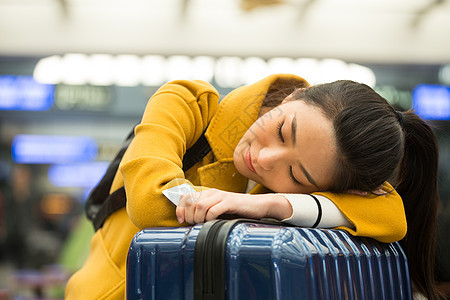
x: 340, y: 141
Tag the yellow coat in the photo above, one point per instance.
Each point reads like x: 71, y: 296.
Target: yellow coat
x: 173, y: 120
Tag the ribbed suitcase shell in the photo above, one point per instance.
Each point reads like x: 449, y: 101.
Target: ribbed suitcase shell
x: 270, y: 262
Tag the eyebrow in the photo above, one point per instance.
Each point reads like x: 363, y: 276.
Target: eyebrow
x: 308, y: 176
x: 294, y: 129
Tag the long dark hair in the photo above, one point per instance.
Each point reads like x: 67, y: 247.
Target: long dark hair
x: 375, y: 143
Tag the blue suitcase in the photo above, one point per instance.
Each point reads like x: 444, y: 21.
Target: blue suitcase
x: 243, y: 259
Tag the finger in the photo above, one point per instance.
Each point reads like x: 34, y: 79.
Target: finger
x: 203, y: 206
x: 186, y: 200
x: 220, y: 208
x: 214, y: 212
x: 188, y: 205
x: 180, y: 211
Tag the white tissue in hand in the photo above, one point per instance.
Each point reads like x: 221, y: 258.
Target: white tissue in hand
x: 174, y: 193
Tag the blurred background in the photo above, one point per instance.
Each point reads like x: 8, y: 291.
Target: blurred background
x: 75, y: 76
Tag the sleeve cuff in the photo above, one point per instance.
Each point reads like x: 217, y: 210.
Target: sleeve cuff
x: 305, y: 212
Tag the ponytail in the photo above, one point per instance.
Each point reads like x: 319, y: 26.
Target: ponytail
x: 417, y: 184
x: 390, y: 146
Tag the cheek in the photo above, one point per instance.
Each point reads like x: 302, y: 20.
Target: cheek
x: 253, y: 131
x: 278, y: 183
x: 238, y: 159
x: 280, y: 186
x: 281, y: 183
x: 240, y: 147
x: 260, y: 131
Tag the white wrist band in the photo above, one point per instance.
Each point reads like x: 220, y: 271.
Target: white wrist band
x: 314, y: 210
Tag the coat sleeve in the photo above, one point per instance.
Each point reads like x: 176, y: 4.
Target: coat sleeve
x: 173, y: 120
x: 380, y: 217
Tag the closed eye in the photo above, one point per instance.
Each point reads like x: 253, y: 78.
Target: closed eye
x: 280, y: 133
x: 291, y: 174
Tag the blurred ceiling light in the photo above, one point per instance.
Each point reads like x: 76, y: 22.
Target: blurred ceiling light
x: 77, y: 63
x: 307, y: 68
x: 152, y: 70
x: 253, y: 69
x: 48, y: 70
x: 203, y: 68
x: 227, y: 71
x: 178, y: 67
x: 126, y: 70
x: 100, y: 69
x: 361, y: 74
x: 280, y: 65
x: 330, y: 70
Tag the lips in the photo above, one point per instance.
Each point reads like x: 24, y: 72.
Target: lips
x: 248, y: 161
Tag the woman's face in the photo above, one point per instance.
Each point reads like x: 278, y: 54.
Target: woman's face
x: 290, y: 149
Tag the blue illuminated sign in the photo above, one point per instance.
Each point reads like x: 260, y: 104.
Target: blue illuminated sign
x: 431, y: 102
x: 24, y: 93
x: 48, y: 149
x: 85, y: 175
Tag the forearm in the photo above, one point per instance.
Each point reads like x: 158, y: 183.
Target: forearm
x: 173, y: 120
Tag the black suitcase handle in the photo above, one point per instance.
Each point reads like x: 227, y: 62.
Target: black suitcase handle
x: 209, y: 257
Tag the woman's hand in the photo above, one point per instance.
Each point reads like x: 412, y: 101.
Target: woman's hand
x: 210, y: 204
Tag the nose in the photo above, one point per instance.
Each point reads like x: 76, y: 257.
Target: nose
x: 269, y: 157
